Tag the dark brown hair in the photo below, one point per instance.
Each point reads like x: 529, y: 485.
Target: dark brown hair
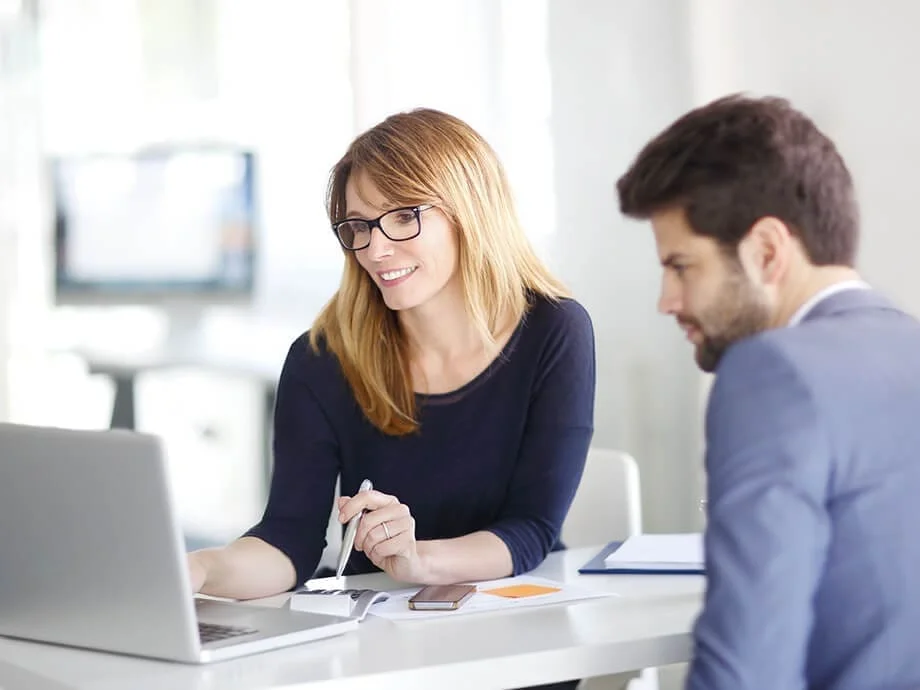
x: 739, y: 159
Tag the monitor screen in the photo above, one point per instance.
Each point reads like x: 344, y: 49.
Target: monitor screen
x: 162, y: 225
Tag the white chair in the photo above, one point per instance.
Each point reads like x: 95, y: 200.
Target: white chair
x: 607, y: 505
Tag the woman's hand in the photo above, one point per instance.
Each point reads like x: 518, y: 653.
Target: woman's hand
x: 386, y: 534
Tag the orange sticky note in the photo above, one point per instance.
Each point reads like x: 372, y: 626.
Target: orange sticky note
x: 518, y: 591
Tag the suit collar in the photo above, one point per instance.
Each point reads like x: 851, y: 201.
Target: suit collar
x: 824, y: 294
x: 849, y: 300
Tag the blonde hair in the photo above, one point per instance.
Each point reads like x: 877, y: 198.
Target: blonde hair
x: 427, y: 157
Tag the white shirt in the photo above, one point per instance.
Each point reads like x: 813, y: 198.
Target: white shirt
x: 802, y: 311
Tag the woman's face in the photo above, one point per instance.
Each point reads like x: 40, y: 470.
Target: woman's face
x: 409, y: 273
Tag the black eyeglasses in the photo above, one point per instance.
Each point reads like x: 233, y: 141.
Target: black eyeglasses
x: 398, y: 224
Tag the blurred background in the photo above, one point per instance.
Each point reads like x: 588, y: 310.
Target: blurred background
x: 163, y: 164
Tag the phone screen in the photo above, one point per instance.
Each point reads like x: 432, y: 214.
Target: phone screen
x: 441, y: 597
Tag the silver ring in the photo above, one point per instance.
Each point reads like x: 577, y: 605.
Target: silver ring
x: 385, y: 529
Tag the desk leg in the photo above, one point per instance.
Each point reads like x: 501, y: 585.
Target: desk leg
x: 123, y: 405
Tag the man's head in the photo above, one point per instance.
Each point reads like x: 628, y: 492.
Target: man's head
x: 748, y: 201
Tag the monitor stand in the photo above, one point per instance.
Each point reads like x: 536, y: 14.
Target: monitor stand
x: 185, y: 334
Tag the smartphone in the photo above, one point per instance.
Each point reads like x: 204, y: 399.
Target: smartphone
x: 441, y: 597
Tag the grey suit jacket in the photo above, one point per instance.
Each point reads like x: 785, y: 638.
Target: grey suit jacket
x: 813, y: 533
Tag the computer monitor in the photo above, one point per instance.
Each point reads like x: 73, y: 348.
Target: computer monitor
x: 173, y: 227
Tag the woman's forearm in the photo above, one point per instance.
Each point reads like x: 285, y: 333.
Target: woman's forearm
x: 476, y: 556
x: 247, y: 568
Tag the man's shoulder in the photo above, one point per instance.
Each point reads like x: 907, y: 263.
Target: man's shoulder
x: 822, y: 363
x: 758, y: 354
x: 760, y: 375
x: 797, y: 348
x: 861, y: 322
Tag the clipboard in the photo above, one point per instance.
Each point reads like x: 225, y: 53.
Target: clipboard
x: 596, y: 566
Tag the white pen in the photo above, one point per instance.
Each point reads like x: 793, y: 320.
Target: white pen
x: 348, y: 542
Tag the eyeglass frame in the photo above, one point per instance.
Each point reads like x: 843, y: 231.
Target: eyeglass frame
x: 375, y: 223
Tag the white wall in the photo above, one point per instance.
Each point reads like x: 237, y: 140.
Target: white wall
x: 620, y: 72
x: 851, y: 66
x: 623, y: 70
x: 7, y: 279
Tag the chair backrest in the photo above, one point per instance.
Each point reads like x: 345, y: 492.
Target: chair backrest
x: 607, y: 505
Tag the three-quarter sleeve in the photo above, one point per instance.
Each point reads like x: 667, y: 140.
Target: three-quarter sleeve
x: 557, y: 434
x: 306, y: 466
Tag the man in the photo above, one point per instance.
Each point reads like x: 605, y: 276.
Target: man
x: 813, y: 422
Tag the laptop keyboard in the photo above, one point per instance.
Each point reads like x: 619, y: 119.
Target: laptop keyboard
x: 211, y: 632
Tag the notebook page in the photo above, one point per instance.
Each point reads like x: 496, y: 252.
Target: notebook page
x: 661, y: 550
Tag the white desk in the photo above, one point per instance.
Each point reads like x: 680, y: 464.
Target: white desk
x: 648, y: 625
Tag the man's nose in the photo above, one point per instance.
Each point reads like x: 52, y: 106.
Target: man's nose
x: 669, y: 301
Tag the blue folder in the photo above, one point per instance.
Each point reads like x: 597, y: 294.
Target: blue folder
x: 596, y: 566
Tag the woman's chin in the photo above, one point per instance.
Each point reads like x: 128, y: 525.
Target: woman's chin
x: 399, y: 302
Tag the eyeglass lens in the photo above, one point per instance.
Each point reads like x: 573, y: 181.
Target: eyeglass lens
x: 399, y: 224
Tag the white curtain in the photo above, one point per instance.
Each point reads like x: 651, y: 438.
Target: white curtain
x: 484, y: 61
x: 291, y: 79
x: 20, y: 193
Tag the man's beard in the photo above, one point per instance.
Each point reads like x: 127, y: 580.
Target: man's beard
x: 740, y: 312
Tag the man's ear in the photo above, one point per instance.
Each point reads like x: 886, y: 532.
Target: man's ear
x: 766, y: 250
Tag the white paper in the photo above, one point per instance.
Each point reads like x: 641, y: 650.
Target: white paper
x: 352, y: 603
x: 397, y: 606
x: 659, y: 552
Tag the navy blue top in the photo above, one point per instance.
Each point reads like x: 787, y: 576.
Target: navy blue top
x: 503, y: 453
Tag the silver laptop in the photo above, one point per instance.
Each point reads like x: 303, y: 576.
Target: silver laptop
x: 91, y: 555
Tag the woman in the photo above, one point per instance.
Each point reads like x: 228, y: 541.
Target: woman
x: 450, y: 369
